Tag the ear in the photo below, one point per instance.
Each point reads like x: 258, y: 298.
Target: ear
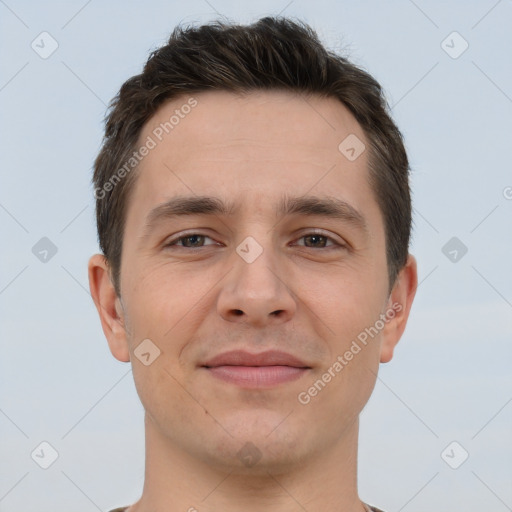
x: 398, y: 308
x: 109, y: 307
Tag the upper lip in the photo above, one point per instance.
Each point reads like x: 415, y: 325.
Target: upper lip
x: 243, y: 358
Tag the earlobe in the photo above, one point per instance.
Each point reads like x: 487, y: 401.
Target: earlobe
x: 398, y: 308
x: 109, y: 307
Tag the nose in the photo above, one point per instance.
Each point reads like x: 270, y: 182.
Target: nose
x: 257, y: 293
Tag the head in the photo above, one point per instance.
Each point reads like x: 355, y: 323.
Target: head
x: 252, y: 194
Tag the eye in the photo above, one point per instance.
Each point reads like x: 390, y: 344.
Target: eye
x: 189, y: 241
x: 319, y: 240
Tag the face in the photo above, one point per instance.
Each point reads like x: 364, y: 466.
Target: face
x: 287, y: 254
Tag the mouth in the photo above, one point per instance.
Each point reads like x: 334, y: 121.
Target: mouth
x: 248, y: 370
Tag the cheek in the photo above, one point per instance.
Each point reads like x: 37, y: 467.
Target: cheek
x: 166, y: 304
x: 344, y: 301
x: 161, y: 305
x: 155, y: 292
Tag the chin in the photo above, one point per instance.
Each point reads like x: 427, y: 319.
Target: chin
x: 259, y: 448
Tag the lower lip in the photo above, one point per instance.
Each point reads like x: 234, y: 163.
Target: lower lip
x: 257, y: 376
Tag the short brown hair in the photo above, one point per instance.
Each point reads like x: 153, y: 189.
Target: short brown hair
x: 273, y: 53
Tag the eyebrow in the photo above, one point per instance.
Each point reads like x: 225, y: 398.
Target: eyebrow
x: 310, y: 206
x: 330, y: 207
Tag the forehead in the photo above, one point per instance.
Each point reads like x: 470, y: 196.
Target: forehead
x: 251, y: 149
x: 273, y: 119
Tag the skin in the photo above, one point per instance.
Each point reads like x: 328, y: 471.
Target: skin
x: 196, y: 302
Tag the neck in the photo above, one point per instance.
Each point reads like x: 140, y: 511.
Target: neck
x: 175, y: 481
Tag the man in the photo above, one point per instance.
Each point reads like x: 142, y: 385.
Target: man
x: 254, y: 214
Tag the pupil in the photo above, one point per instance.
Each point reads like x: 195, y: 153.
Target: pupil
x: 194, y: 239
x: 316, y: 238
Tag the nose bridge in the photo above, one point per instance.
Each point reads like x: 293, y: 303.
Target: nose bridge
x: 256, y: 290
x: 256, y: 267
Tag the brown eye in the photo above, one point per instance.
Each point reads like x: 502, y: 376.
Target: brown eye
x: 319, y: 241
x: 315, y: 241
x: 189, y: 241
x: 193, y: 241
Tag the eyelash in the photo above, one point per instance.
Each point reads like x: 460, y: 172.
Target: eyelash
x: 335, y: 244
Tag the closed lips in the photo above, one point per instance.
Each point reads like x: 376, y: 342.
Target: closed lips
x: 244, y: 358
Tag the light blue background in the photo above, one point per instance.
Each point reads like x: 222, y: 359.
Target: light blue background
x: 450, y: 379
